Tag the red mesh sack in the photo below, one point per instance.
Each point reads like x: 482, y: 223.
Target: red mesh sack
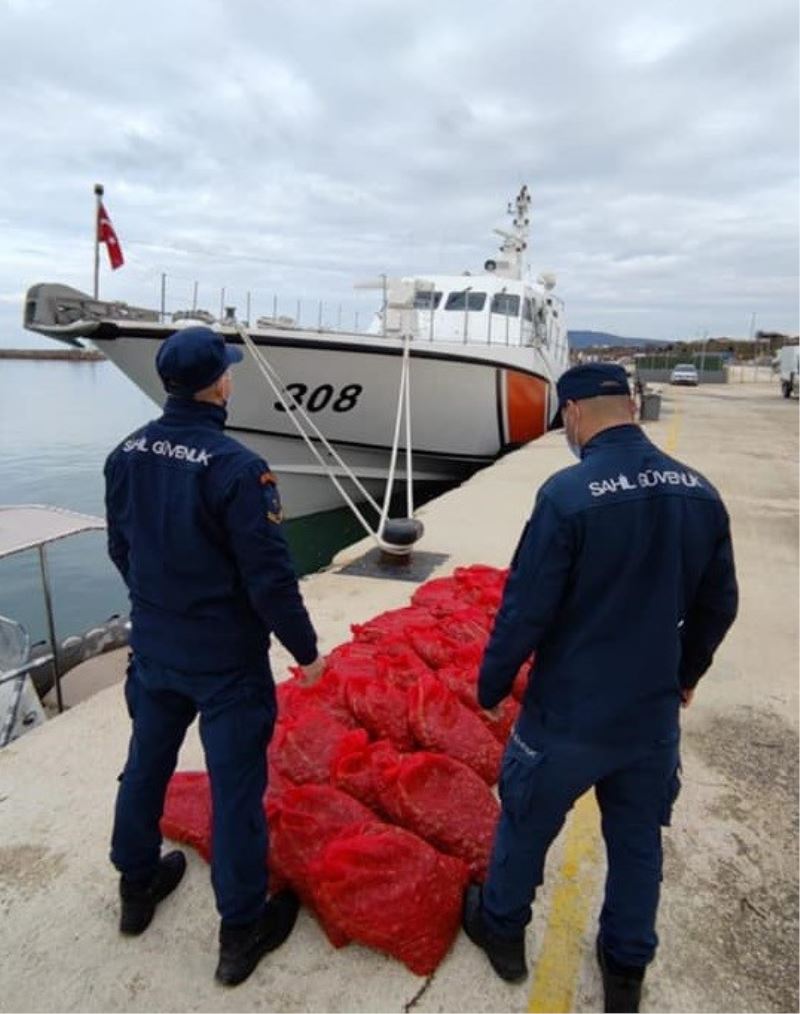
x: 327, y: 695
x: 441, y: 596
x: 471, y: 655
x: 443, y: 801
x: 291, y: 700
x: 432, y: 644
x: 355, y: 767
x: 392, y: 624
x: 388, y: 889
x: 355, y: 658
x: 388, y: 656
x: 438, y: 643
x: 381, y: 708
x: 441, y: 723
x: 483, y: 585
x: 463, y: 683
x: 301, y: 823
x: 187, y: 811
x: 302, y: 749
x: 389, y: 659
x: 402, y: 666
x: 481, y: 577
x: 277, y: 782
x: 468, y: 625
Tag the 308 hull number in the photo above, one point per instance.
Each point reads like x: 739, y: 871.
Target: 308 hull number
x: 322, y: 397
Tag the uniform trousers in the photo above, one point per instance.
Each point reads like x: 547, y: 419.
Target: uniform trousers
x: 635, y: 787
x: 237, y: 714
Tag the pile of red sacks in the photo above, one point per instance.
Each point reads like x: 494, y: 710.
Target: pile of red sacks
x: 380, y: 804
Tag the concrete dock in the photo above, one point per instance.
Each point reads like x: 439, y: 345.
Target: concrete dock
x: 729, y: 915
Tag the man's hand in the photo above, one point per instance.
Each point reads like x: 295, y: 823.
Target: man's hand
x: 313, y: 672
x: 686, y: 697
x: 494, y: 713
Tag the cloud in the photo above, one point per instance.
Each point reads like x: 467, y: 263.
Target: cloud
x: 295, y: 147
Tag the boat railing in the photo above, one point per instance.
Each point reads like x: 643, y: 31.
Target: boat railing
x: 184, y: 299
x: 34, y: 527
x: 263, y: 310
x: 401, y: 310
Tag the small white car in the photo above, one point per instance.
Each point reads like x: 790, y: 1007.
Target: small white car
x: 685, y: 373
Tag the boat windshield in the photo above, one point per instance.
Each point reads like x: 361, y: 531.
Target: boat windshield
x: 458, y: 300
x: 505, y: 303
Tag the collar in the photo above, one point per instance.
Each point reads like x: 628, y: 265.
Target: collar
x: 614, y: 436
x: 188, y: 412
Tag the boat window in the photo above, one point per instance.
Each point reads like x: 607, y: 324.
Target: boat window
x: 527, y: 309
x: 458, y: 300
x: 505, y: 303
x: 423, y: 299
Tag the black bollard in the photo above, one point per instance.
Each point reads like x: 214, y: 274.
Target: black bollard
x: 401, y: 534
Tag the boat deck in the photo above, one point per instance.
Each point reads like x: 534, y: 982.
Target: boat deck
x: 728, y: 919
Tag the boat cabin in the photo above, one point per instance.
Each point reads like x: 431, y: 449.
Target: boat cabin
x: 484, y: 308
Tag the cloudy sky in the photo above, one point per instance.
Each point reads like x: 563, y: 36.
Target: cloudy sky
x: 292, y: 148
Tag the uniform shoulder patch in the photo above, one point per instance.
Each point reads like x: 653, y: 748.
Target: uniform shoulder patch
x: 272, y: 500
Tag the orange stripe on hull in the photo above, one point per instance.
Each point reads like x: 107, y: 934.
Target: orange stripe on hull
x: 526, y: 407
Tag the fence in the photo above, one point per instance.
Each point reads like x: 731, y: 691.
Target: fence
x: 750, y: 373
x: 657, y: 368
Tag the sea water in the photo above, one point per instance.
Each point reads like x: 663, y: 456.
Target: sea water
x: 58, y: 422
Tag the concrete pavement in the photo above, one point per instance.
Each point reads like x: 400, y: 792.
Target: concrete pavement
x: 728, y: 920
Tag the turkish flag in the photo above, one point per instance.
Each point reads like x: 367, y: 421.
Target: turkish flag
x: 106, y: 234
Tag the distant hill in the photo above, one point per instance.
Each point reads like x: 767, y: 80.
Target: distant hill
x: 588, y: 339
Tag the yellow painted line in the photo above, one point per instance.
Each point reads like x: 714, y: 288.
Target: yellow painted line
x: 671, y: 442
x: 562, y: 951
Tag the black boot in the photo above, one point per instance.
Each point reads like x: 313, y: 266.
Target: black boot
x: 507, y: 957
x: 622, y: 984
x: 242, y: 947
x: 139, y: 900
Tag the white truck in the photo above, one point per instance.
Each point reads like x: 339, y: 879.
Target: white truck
x: 789, y: 367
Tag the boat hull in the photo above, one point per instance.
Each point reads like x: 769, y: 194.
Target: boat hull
x: 468, y: 406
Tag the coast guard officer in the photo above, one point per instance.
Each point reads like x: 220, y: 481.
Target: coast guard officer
x: 623, y: 584
x: 194, y: 529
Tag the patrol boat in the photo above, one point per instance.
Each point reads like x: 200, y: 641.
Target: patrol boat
x: 483, y: 354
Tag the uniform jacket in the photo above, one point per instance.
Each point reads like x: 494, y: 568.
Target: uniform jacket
x: 623, y: 583
x: 194, y: 529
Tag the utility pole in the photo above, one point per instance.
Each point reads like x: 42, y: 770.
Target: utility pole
x: 98, y: 199
x: 752, y: 343
x: 703, y: 354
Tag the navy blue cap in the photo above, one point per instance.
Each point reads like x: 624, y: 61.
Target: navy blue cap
x: 590, y: 380
x: 194, y: 358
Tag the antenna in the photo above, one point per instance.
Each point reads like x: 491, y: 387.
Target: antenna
x: 515, y: 242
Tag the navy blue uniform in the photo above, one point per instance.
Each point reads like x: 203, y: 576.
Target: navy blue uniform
x: 623, y: 584
x: 194, y: 529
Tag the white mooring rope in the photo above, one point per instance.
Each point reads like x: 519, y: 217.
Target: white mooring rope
x: 295, y: 412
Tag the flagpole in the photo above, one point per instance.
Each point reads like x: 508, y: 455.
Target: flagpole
x: 98, y: 190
